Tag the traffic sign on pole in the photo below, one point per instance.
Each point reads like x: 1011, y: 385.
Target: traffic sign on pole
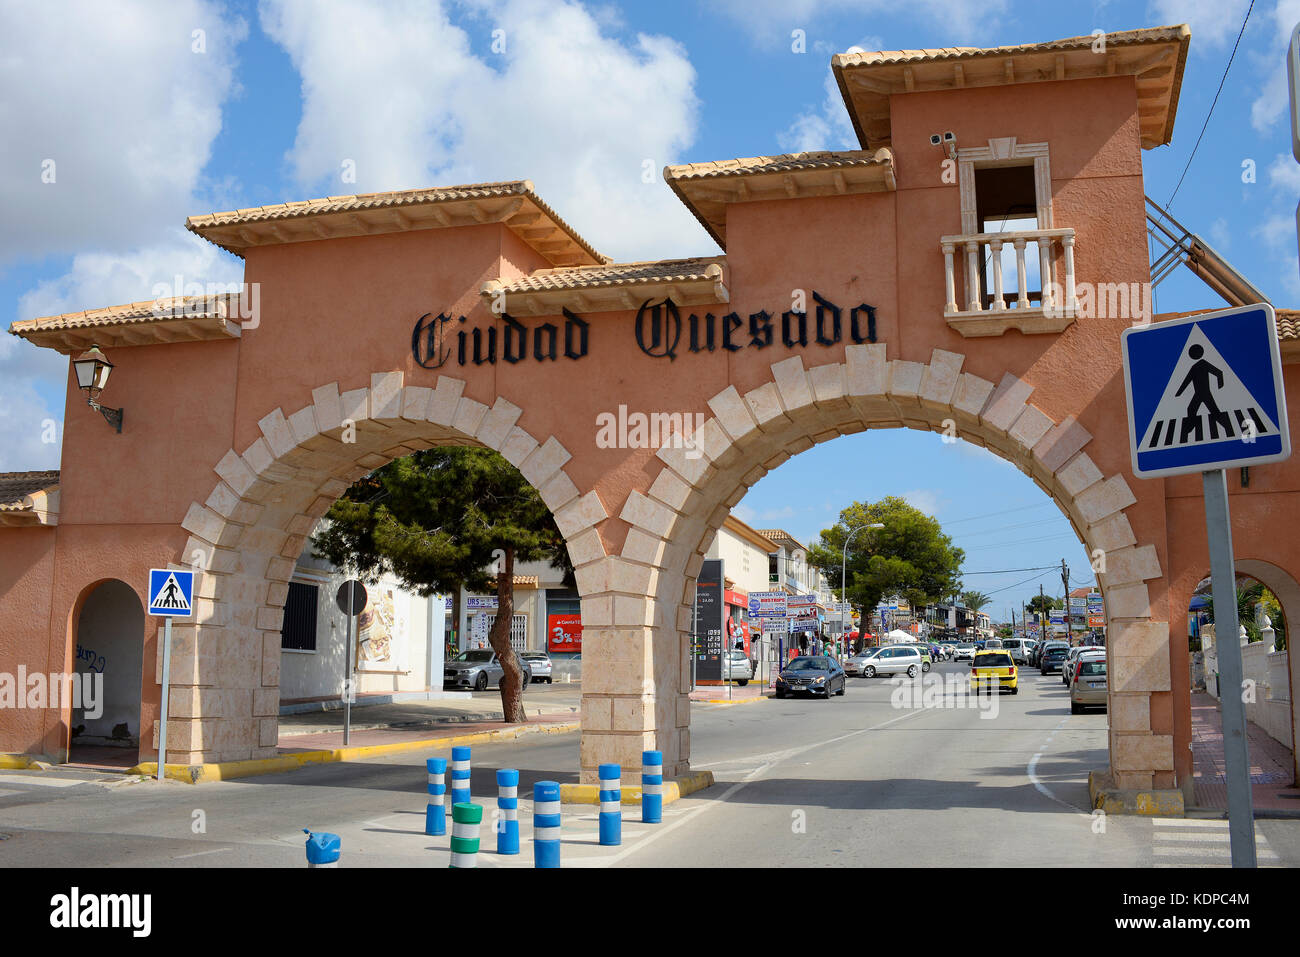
x: 1205, y: 393
x: 171, y: 595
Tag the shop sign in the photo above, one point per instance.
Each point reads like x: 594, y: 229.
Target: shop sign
x: 564, y: 633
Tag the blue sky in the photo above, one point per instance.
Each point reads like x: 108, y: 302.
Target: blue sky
x: 154, y: 112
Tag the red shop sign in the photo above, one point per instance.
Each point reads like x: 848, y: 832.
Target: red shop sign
x: 564, y: 633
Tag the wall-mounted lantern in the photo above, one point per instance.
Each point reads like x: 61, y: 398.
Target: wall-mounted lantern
x: 92, y: 370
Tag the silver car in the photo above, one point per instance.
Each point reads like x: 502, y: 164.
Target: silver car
x: 889, y: 660
x: 539, y: 665
x: 1089, y: 689
x: 964, y: 652
x: 738, y: 668
x: 479, y: 669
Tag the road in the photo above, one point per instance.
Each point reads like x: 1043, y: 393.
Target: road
x: 853, y: 781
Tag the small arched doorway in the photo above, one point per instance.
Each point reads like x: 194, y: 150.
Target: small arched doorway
x: 108, y: 657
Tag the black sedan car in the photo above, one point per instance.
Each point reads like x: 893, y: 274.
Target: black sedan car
x: 1052, y: 658
x: 813, y: 675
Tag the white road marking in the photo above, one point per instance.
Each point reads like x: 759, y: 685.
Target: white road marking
x: 44, y: 782
x: 216, y: 850
x: 777, y: 758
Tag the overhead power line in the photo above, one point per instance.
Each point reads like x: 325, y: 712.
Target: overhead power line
x: 1205, y: 125
x: 1009, y: 571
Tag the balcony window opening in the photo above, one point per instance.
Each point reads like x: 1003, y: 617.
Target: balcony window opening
x: 1006, y: 203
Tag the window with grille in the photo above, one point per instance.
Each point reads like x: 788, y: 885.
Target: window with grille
x: 298, y: 633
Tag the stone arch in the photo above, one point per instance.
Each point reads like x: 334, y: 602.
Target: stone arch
x: 750, y: 434
x: 245, y: 538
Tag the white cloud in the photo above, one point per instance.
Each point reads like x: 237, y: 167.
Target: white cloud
x: 1213, y: 22
x: 115, y: 97
x: 581, y: 114
x: 928, y: 500
x: 1284, y: 174
x: 111, y: 278
x: 1271, y: 104
x: 827, y: 127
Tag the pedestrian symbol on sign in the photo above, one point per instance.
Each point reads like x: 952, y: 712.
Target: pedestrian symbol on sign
x: 171, y: 593
x: 1205, y: 402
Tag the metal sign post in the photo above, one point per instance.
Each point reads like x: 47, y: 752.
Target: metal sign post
x: 1236, y: 759
x: 164, y: 699
x: 351, y: 599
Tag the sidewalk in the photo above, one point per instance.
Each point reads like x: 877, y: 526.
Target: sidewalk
x: 1271, y: 775
x: 421, y: 721
x: 734, y: 693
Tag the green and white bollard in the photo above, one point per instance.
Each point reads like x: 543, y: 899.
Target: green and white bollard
x: 465, y: 821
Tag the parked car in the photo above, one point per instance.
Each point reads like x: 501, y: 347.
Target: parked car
x: 477, y: 668
x: 1031, y: 649
x: 994, y: 668
x: 539, y: 665
x: 738, y: 668
x: 891, y: 660
x: 1089, y: 687
x: 965, y: 651
x: 927, y: 660
x: 1071, y: 657
x: 1053, y: 656
x: 992, y: 643
x: 812, y: 675
x: 1016, y: 648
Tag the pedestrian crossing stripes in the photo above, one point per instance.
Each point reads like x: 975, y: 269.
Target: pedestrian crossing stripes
x: 1212, y: 426
x: 1191, y: 842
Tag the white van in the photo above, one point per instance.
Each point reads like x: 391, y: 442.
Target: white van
x: 1019, y: 648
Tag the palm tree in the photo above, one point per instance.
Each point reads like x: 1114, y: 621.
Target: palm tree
x: 975, y: 600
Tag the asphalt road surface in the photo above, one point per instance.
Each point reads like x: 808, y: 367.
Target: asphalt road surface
x: 855, y: 781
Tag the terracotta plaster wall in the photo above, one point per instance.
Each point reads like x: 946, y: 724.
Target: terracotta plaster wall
x: 26, y: 582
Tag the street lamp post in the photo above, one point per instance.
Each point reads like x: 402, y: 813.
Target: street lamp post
x: 844, y: 557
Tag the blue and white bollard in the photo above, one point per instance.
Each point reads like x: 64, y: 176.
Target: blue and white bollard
x: 460, y: 775
x: 546, y: 824
x: 323, y: 849
x: 652, y: 787
x: 611, y: 805
x: 508, y: 808
x: 435, y: 815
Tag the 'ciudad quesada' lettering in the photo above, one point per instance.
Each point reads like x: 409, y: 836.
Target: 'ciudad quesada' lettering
x: 661, y: 332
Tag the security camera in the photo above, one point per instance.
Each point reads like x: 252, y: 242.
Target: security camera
x: 949, y: 137
x: 935, y: 140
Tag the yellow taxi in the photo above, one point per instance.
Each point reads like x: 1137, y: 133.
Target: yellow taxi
x: 993, y: 669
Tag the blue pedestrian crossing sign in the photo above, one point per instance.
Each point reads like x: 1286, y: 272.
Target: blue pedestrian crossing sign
x: 171, y: 593
x: 1205, y: 392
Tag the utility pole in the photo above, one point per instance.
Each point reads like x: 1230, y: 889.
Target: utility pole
x: 1065, y: 585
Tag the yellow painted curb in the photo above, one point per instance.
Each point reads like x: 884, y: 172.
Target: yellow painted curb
x: 1152, y: 802
x: 761, y: 697
x: 674, y: 789
x: 228, y: 770
x: 16, y: 762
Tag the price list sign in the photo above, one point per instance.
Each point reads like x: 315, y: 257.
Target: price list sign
x: 709, y: 611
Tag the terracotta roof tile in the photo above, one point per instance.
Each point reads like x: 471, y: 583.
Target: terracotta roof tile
x: 223, y: 229
x: 16, y: 486
x: 617, y: 274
